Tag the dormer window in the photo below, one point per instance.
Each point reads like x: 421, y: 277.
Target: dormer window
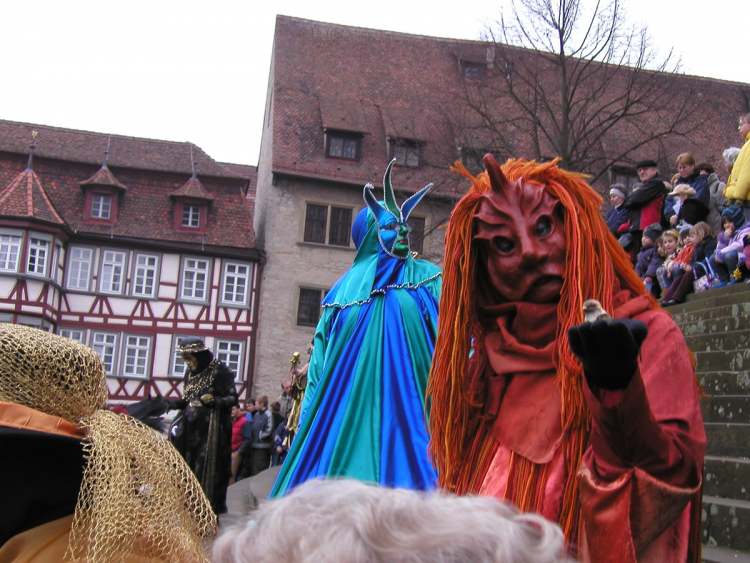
x: 473, y: 70
x: 191, y: 216
x: 101, y: 206
x: 340, y: 144
x: 406, y: 152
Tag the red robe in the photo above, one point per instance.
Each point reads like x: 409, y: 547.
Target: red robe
x: 640, y: 479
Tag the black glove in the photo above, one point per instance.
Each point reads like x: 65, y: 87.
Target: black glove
x: 608, y: 350
x: 176, y: 404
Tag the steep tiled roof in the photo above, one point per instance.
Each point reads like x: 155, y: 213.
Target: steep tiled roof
x: 127, y: 152
x: 386, y: 84
x: 192, y: 189
x: 104, y: 177
x: 26, y: 197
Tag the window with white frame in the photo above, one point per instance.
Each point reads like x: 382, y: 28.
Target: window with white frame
x: 135, y: 356
x: 144, y: 275
x: 191, y: 216
x: 76, y: 334
x: 178, y: 364
x: 230, y: 352
x: 236, y: 277
x: 194, y: 279
x: 105, y: 344
x: 101, y: 206
x: 10, y: 248
x: 79, y: 267
x: 38, y: 253
x: 113, y: 271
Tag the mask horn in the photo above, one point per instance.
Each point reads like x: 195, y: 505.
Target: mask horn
x: 390, y: 197
x: 498, y: 181
x: 413, y: 200
x: 371, y: 201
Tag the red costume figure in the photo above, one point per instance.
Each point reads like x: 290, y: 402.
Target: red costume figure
x: 595, y: 425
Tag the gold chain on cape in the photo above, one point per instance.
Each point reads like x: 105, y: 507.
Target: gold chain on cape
x: 197, y: 383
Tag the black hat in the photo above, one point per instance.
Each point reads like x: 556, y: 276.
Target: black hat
x: 646, y: 164
x: 693, y: 211
x: 653, y: 231
x: 191, y: 346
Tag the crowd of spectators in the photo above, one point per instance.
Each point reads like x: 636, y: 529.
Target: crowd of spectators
x: 690, y: 233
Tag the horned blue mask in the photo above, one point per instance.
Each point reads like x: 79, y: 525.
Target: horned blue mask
x: 393, y: 227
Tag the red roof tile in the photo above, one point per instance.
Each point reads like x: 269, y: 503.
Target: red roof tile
x: 386, y: 84
x: 26, y: 197
x: 104, y: 177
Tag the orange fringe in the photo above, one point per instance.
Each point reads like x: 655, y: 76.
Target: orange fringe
x: 596, y: 267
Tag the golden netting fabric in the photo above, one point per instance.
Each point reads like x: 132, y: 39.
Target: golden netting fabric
x: 138, y: 496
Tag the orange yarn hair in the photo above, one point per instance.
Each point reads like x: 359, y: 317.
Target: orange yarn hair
x: 596, y: 267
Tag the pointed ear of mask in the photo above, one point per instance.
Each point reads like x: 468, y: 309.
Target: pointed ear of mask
x: 372, y: 201
x: 414, y: 200
x: 390, y: 197
x: 498, y: 181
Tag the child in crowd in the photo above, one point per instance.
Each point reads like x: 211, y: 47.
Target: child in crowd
x: 669, y: 240
x: 688, y: 265
x: 730, y: 247
x: 648, y: 259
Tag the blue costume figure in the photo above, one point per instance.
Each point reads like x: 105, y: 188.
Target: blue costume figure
x: 363, y: 415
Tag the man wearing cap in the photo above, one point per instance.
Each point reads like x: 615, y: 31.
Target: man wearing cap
x: 617, y: 217
x: 646, y: 202
x: 202, y: 432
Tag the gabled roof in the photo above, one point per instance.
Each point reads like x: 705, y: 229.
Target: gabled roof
x: 104, y: 177
x: 192, y: 189
x: 124, y: 152
x: 26, y: 197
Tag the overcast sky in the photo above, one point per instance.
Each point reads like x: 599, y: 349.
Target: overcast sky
x: 198, y: 71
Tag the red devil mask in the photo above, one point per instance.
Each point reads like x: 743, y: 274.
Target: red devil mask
x: 519, y: 229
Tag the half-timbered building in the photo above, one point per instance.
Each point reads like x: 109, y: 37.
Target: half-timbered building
x: 129, y: 245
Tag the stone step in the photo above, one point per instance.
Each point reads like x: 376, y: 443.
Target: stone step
x: 726, y: 523
x: 715, y: 300
x: 719, y: 340
x: 727, y: 477
x: 728, y: 439
x: 726, y: 360
x: 728, y: 290
x: 723, y: 555
x: 722, y: 314
x: 716, y: 383
x: 726, y: 408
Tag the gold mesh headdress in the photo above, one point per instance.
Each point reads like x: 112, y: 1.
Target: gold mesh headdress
x: 138, y: 496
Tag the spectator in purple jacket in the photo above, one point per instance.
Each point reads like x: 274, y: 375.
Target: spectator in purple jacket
x: 730, y: 246
x: 648, y: 258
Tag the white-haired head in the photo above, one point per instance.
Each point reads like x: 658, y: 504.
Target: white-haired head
x: 730, y: 155
x: 345, y: 520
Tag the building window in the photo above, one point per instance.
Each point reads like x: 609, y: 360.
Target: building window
x: 74, y: 334
x: 472, y: 70
x: 236, y: 277
x: 194, y: 279
x: 79, y: 268
x: 101, y: 206
x: 105, y: 344
x: 623, y: 175
x: 341, y: 226
x: 113, y: 270
x: 191, y: 216
x: 136, y: 355
x: 38, y: 253
x: 230, y: 352
x: 416, y: 237
x: 144, y: 275
x: 406, y: 152
x: 315, y: 223
x: 178, y: 364
x: 10, y: 248
x: 342, y: 145
x: 308, y: 309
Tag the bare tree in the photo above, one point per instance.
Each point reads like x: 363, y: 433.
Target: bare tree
x: 571, y: 78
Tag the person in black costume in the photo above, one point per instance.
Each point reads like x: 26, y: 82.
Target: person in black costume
x: 202, y: 432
